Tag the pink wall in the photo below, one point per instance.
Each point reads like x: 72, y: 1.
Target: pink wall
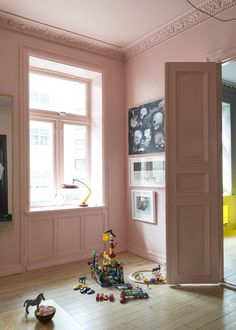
x: 19, y: 248
x: 70, y: 235
x: 145, y: 82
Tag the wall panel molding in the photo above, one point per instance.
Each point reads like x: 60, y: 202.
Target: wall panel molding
x: 54, y: 237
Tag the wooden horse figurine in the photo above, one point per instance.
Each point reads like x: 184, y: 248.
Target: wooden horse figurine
x: 33, y: 302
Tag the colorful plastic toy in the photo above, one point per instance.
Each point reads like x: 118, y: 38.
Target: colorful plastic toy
x: 105, y: 297
x: 110, y: 272
x: 125, y: 286
x: 137, y: 293
x: 79, y: 286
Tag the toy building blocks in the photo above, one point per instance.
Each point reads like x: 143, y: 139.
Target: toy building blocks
x: 110, y: 272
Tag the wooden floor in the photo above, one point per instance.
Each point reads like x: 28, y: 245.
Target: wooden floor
x: 230, y: 256
x: 167, y: 308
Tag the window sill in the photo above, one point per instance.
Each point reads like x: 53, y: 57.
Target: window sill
x: 62, y: 208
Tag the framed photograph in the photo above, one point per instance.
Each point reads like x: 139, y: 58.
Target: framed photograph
x: 144, y: 205
x: 147, y: 171
x: 147, y: 128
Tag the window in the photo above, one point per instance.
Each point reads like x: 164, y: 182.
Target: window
x: 46, y: 91
x: 65, y: 127
x: 226, y: 149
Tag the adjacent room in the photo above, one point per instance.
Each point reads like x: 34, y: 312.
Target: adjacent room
x: 117, y: 164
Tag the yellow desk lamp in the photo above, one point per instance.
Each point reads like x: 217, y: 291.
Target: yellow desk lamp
x: 74, y: 186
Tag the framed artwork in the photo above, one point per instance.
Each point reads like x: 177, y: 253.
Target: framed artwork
x: 147, y: 171
x: 3, y: 178
x: 144, y: 205
x: 147, y: 128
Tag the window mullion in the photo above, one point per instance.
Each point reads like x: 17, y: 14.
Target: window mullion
x: 59, y: 158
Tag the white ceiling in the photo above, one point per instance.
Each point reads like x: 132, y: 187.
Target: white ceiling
x: 117, y: 22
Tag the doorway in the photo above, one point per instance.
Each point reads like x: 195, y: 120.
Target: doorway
x: 229, y: 168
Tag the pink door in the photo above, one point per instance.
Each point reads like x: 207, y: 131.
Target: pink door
x: 194, y: 225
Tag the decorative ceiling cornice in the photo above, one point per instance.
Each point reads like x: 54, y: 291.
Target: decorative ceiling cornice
x: 229, y: 84
x: 55, y: 35
x: 179, y: 25
x: 48, y: 33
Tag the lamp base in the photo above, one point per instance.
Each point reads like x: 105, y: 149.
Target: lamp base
x: 83, y: 205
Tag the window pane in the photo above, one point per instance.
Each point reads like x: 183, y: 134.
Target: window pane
x: 41, y: 163
x: 75, y: 159
x: 48, y: 93
x: 226, y: 149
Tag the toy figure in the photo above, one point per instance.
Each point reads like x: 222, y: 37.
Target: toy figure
x: 33, y: 302
x: 82, y: 279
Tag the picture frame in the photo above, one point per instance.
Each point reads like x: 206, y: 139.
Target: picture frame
x: 146, y: 125
x: 147, y: 171
x: 144, y: 205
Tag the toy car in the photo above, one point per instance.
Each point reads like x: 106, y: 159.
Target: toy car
x: 137, y: 293
x: 125, y: 286
x: 79, y: 286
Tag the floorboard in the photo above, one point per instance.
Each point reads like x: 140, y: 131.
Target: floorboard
x: 168, y: 308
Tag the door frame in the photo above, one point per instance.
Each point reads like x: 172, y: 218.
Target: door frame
x: 220, y: 56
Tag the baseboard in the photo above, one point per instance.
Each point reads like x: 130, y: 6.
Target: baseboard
x: 64, y: 259
x: 11, y: 270
x: 147, y: 254
x: 56, y: 261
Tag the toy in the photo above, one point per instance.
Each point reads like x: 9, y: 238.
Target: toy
x: 82, y: 279
x: 125, y: 286
x: 33, y: 302
x: 111, y: 271
x: 79, y: 286
x: 154, y: 276
x: 45, y: 313
x: 137, y: 293
x: 111, y: 297
x: 105, y: 297
x: 87, y: 290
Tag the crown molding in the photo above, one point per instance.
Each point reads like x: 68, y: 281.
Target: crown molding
x: 55, y: 35
x: 228, y: 84
x: 179, y: 25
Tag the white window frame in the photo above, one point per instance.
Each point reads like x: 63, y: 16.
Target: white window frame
x: 97, y: 134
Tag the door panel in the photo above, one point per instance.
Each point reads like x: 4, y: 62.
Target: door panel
x: 193, y: 173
